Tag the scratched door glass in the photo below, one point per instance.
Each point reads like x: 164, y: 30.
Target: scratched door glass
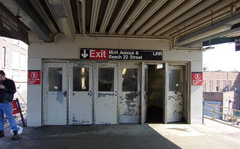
x: 55, y: 79
x: 129, y: 79
x: 174, y: 80
x: 106, y: 79
x: 80, y: 79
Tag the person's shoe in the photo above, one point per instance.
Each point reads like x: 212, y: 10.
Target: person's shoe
x: 15, y: 135
x: 1, y: 134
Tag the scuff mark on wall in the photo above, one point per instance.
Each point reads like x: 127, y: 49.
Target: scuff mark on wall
x: 105, y: 94
x: 175, y: 105
x: 130, y: 107
x: 131, y: 102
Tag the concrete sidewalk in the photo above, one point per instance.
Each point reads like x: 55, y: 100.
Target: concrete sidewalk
x: 150, y: 136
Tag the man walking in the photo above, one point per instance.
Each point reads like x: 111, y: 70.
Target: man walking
x: 7, y: 90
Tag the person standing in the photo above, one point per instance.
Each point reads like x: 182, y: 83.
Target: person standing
x: 7, y: 90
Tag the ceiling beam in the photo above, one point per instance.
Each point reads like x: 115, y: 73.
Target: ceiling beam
x: 203, y: 18
x: 169, y: 7
x: 180, y: 20
x: 94, y: 15
x: 108, y: 13
x: 142, y: 4
x: 31, y: 19
x: 124, y: 9
x: 149, y: 11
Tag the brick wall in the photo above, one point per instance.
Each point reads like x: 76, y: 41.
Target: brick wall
x: 221, y: 81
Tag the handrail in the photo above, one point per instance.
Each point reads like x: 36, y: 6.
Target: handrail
x: 227, y: 114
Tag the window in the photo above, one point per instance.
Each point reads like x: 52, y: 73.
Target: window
x: 218, y: 85
x: 23, y: 62
x: 80, y: 79
x: 129, y: 79
x: 4, y: 60
x: 230, y: 86
x: 174, y: 80
x: 211, y: 86
x: 105, y: 79
x: 15, y: 60
x: 55, y: 79
x: 204, y: 86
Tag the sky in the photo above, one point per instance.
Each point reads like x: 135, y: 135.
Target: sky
x: 223, y: 57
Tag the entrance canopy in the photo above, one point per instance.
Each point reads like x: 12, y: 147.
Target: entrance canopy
x: 183, y: 22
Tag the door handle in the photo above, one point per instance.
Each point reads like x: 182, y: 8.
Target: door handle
x: 115, y: 93
x: 90, y: 93
x: 65, y: 94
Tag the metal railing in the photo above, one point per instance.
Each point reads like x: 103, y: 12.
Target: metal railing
x: 222, y: 114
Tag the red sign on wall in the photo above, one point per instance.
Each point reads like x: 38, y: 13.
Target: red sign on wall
x: 197, y: 78
x: 34, y: 77
x: 14, y: 107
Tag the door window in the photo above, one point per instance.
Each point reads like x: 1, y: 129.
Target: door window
x: 105, y: 79
x: 174, y: 80
x: 80, y: 79
x: 129, y: 79
x: 55, y: 79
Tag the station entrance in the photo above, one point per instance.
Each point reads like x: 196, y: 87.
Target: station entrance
x: 85, y: 93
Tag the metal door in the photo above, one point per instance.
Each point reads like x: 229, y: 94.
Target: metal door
x: 55, y: 94
x: 106, y: 94
x: 80, y: 87
x: 129, y: 93
x: 174, y: 103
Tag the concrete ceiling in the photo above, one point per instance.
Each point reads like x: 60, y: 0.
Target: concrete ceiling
x: 184, y: 22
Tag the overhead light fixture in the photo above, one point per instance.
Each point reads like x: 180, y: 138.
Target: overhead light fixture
x: 159, y: 66
x: 124, y: 71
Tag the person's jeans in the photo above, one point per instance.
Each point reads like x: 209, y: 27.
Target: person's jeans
x: 6, y: 108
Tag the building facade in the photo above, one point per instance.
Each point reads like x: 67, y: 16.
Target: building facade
x: 222, y: 87
x: 88, y: 81
x: 14, y: 55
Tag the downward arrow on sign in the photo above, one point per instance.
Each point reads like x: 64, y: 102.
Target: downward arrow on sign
x: 84, y: 54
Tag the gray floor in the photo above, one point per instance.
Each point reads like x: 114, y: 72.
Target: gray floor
x: 150, y: 136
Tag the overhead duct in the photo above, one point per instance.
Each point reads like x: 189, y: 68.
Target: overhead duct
x: 63, y: 17
x: 219, y: 27
x: 205, y: 34
x: 201, y: 18
x: 226, y: 33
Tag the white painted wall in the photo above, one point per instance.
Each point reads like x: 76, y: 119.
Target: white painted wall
x: 65, y: 49
x: 34, y: 96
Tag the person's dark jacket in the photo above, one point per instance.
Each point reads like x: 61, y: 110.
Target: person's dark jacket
x: 6, y: 95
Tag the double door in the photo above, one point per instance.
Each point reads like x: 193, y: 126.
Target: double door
x: 85, y: 93
x: 72, y: 95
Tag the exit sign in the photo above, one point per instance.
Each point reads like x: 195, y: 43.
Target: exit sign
x: 119, y: 54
